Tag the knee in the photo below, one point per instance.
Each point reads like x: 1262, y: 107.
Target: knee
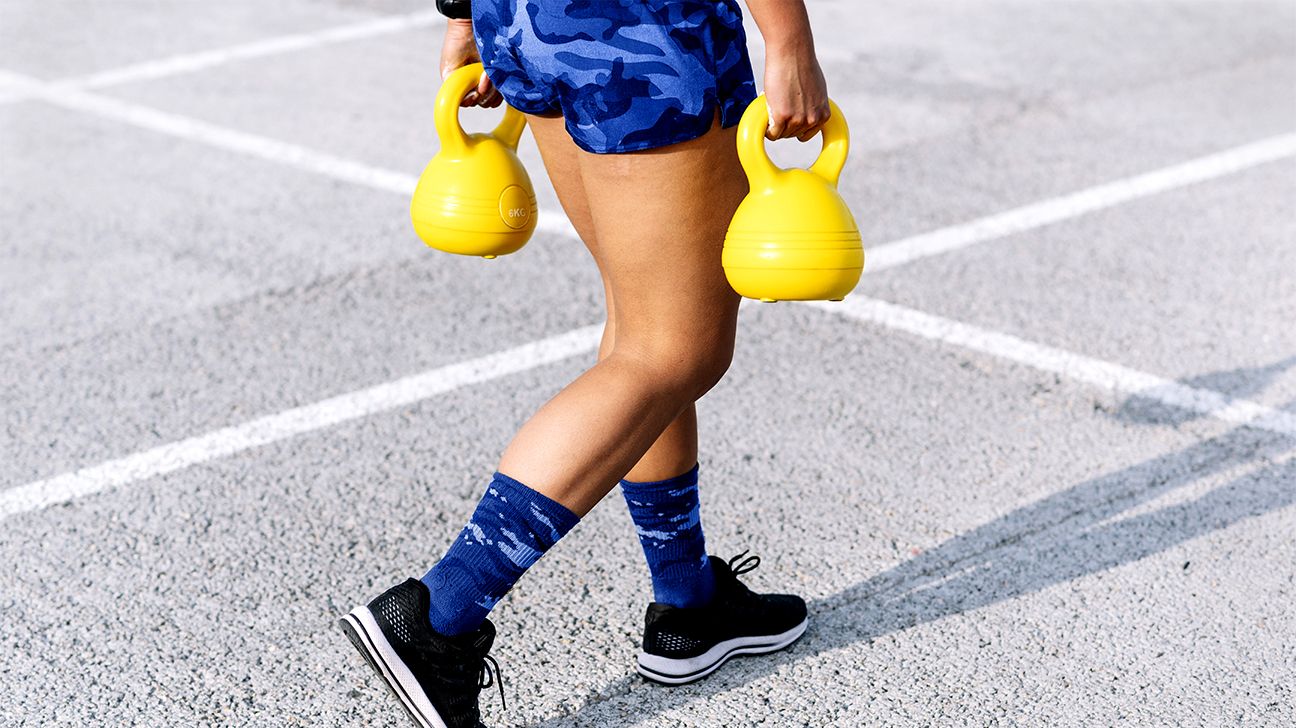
x: 688, y: 366
x: 709, y: 366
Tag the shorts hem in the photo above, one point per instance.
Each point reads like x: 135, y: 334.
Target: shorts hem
x: 734, y: 116
x: 539, y: 109
x: 640, y: 146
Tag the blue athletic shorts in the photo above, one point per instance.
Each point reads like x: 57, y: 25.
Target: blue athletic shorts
x: 625, y: 74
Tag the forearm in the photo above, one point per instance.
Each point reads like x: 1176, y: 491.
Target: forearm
x: 794, y: 83
x: 784, y: 24
x: 460, y: 49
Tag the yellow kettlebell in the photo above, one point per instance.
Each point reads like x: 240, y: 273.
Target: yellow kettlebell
x: 793, y: 238
x: 474, y: 197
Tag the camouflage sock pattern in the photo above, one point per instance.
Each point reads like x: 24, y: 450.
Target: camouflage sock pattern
x: 668, y: 517
x: 511, y: 529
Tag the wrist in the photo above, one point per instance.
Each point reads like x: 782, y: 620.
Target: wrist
x: 459, y: 31
x: 792, y: 46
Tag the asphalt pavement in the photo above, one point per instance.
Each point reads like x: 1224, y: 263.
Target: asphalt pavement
x: 1039, y: 474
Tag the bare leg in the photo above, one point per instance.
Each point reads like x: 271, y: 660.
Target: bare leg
x: 676, y: 449
x: 654, y: 222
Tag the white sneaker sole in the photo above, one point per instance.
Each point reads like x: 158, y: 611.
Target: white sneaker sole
x: 670, y: 671
x: 364, y: 633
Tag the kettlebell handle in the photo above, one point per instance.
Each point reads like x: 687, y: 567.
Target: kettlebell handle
x: 761, y: 170
x: 446, y: 114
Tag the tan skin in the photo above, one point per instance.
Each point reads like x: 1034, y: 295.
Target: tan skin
x: 671, y: 315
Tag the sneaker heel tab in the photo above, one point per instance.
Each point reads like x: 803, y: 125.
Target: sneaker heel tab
x: 656, y: 611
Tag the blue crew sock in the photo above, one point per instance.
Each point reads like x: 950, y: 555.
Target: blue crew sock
x: 511, y: 529
x: 668, y: 517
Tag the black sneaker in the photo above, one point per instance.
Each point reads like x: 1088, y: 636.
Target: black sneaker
x: 435, y: 678
x: 683, y: 645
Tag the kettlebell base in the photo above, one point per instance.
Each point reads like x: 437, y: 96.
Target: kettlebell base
x: 776, y: 300
x: 476, y: 243
x: 781, y: 284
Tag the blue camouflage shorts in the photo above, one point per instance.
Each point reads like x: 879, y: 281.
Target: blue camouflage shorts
x: 625, y: 74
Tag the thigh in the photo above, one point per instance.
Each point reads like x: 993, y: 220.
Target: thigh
x: 660, y: 218
x: 562, y: 163
x: 655, y: 222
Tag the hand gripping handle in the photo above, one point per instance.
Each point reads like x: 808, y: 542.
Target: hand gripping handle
x: 446, y: 114
x: 761, y: 170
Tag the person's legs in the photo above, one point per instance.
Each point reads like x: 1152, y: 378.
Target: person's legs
x: 658, y: 227
x: 658, y: 220
x: 655, y: 222
x: 676, y: 448
x: 661, y: 490
x: 675, y: 319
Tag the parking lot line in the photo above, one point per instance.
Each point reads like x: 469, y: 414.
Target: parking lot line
x: 184, y: 453
x: 227, y: 441
x: 190, y: 62
x: 1101, y: 374
x: 213, y: 135
x: 1091, y: 199
x: 888, y: 255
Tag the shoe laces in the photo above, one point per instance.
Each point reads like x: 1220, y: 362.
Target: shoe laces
x: 489, y: 673
x: 744, y: 564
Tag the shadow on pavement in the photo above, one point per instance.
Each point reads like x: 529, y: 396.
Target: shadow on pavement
x: 1085, y: 529
x: 1237, y: 383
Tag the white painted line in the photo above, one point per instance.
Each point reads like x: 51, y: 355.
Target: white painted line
x: 190, y: 62
x: 212, y: 135
x: 9, y: 90
x: 1058, y: 361
x: 1047, y: 212
x: 253, y: 145
x: 168, y: 458
x: 385, y: 397
x: 273, y: 428
x: 900, y: 252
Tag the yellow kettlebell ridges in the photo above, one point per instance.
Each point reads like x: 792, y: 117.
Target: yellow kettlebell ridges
x: 474, y: 197
x: 793, y: 238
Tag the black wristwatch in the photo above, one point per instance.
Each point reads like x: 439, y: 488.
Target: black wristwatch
x: 458, y: 9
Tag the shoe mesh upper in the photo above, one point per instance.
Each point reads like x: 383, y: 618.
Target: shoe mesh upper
x: 667, y: 643
x: 735, y: 611
x: 449, y: 670
x: 397, y: 609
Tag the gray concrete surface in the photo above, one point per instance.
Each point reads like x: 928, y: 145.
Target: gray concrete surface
x: 982, y: 543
